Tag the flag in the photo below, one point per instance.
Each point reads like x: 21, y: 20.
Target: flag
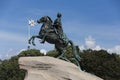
x: 31, y: 22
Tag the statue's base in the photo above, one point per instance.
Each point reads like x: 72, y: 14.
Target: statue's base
x: 49, y: 68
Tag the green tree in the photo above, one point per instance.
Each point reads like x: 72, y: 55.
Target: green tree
x: 9, y: 69
x: 0, y: 61
x: 101, y: 63
x: 31, y: 52
x: 52, y: 53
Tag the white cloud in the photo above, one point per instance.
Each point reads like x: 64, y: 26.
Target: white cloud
x: 97, y: 47
x: 115, y: 49
x: 10, y: 43
x: 90, y: 43
x: 43, y: 51
x: 21, y: 51
x: 82, y: 47
x: 10, y: 53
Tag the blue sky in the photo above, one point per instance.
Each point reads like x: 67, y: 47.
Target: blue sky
x: 86, y: 22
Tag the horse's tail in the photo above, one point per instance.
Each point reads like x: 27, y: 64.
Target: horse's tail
x: 74, y: 51
x: 75, y: 54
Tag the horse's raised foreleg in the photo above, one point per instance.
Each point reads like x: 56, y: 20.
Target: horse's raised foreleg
x: 29, y: 41
x: 33, y: 43
x: 32, y: 39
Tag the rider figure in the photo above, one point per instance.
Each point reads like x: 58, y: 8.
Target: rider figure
x: 58, y: 26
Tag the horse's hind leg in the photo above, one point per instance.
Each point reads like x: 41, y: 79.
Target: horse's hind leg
x: 61, y: 52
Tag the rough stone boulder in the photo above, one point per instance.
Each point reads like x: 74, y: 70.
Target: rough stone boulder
x: 49, y: 68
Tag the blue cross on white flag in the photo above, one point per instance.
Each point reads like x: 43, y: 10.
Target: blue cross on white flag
x: 31, y: 22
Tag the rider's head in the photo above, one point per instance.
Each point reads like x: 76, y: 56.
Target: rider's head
x: 59, y: 15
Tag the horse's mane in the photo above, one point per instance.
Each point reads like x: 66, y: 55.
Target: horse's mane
x: 50, y: 19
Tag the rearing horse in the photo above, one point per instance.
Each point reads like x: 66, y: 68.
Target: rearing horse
x: 48, y: 32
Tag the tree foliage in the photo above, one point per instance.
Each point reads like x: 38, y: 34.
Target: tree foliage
x: 100, y: 63
x: 31, y: 52
x: 9, y: 69
x: 0, y: 61
x: 52, y: 53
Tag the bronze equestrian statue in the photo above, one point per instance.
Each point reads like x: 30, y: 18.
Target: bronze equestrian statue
x: 53, y: 34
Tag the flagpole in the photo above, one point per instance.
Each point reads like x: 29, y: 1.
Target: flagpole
x: 28, y: 37
x: 31, y: 23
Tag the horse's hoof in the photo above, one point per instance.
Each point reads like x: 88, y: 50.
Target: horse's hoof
x: 58, y: 57
x: 34, y: 45
x: 42, y: 41
x: 29, y: 42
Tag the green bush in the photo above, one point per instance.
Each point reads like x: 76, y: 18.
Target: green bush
x: 9, y: 69
x: 31, y: 52
x: 101, y: 63
x: 52, y: 53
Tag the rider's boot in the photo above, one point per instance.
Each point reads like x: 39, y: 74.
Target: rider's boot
x: 43, y: 39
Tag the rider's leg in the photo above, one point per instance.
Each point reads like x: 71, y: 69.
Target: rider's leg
x: 43, y: 39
